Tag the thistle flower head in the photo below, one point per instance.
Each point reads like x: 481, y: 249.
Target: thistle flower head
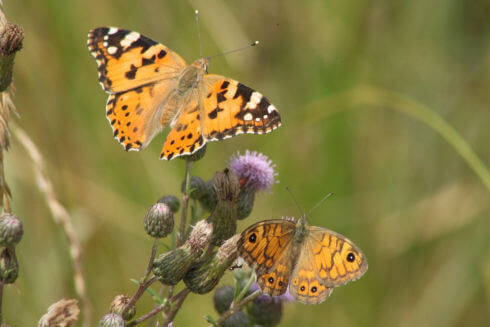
x: 112, y: 320
x: 254, y: 169
x: 159, y: 220
x: 62, y: 313
x: 118, y: 306
x: 10, y: 230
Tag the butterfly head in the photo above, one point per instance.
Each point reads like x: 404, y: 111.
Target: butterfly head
x: 202, y: 63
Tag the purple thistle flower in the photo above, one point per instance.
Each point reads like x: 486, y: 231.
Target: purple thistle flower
x: 254, y: 169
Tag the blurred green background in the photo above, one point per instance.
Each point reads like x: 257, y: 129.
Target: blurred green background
x: 402, y: 193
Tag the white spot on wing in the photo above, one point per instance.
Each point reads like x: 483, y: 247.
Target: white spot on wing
x: 133, y: 36
x: 254, y: 100
x: 112, y: 50
x: 248, y: 116
x: 130, y: 38
x: 271, y: 109
x: 112, y: 30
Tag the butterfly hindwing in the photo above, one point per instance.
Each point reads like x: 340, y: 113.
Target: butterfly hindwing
x: 127, y: 59
x: 337, y: 259
x: 185, y: 137
x: 136, y: 115
x: 275, y: 281
x: 231, y: 108
x: 305, y: 285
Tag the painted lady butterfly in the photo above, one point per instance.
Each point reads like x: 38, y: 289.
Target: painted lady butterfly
x: 151, y: 86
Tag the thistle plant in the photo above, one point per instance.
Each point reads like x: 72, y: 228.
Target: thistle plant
x: 202, y: 229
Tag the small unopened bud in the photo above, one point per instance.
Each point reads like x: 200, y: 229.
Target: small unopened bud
x: 159, y: 220
x: 119, y: 304
x: 11, y: 230
x: 224, y: 215
x: 112, y: 320
x: 206, y: 273
x: 11, y: 37
x: 197, y: 187
x: 62, y: 313
x: 223, y: 297
x: 9, y: 267
x: 266, y: 310
x: 170, y: 267
x: 239, y: 319
x: 171, y: 201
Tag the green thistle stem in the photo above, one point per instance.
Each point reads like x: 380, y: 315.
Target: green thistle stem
x: 146, y: 282
x: 185, y: 202
x: 245, y: 289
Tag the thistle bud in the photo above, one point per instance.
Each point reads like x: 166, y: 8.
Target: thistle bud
x: 223, y: 297
x: 159, y: 220
x: 9, y: 267
x: 119, y: 304
x: 112, y: 320
x: 224, y: 214
x: 208, y: 199
x: 206, y: 273
x: 11, y: 37
x: 62, y: 313
x: 171, y: 201
x: 170, y: 267
x: 239, y: 319
x: 197, y: 187
x: 265, y: 310
x: 196, y: 155
x: 11, y: 230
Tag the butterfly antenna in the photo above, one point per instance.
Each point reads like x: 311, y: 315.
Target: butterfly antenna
x: 301, y: 213
x: 236, y: 50
x: 320, y: 202
x: 198, y: 32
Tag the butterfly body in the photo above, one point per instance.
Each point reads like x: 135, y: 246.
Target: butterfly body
x: 311, y: 260
x: 151, y: 86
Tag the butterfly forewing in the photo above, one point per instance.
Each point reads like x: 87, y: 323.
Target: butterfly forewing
x: 231, y: 108
x: 127, y: 59
x: 267, y: 246
x: 337, y: 259
x: 264, y: 243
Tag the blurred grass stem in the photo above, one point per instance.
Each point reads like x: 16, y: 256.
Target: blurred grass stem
x: 61, y: 217
x: 376, y: 97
